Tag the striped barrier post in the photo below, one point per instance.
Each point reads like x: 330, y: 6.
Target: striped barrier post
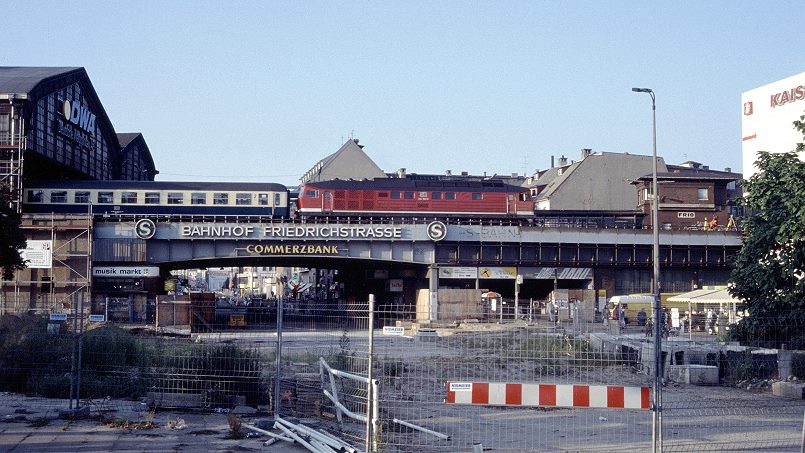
x: 548, y: 395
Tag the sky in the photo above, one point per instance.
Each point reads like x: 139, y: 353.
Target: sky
x: 259, y: 91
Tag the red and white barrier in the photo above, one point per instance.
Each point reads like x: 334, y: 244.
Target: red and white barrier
x: 548, y: 395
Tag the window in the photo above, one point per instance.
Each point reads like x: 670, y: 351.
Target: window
x: 395, y: 195
x: 220, y: 198
x: 152, y: 198
x: 242, y: 199
x: 35, y: 196
x: 175, y: 198
x: 702, y: 195
x: 477, y: 196
x: 312, y: 194
x: 277, y: 199
x: 106, y: 197
x: 262, y: 199
x: 409, y: 195
x: 198, y: 198
x: 81, y: 196
x: 436, y: 195
x: 128, y: 197
x: 450, y: 196
x: 58, y: 196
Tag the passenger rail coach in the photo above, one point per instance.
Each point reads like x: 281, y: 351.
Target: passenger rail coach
x: 157, y: 198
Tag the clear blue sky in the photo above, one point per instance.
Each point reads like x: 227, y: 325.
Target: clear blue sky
x: 260, y: 91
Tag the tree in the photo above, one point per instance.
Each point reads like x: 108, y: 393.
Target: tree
x: 12, y: 239
x: 769, y: 275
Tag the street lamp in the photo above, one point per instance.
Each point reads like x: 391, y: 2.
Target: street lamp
x: 656, y: 440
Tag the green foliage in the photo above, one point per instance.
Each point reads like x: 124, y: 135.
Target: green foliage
x: 118, y: 363
x: 769, y: 273
x: 12, y: 238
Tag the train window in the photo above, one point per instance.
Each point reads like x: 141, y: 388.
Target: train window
x: 175, y: 198
x: 58, y: 196
x: 128, y: 197
x: 35, y: 196
x: 198, y: 198
x: 409, y: 195
x: 242, y: 199
x: 81, y: 196
x: 327, y: 194
x: 311, y: 194
x: 220, y: 198
x: 277, y: 199
x: 450, y: 196
x: 477, y: 196
x: 395, y: 195
x: 382, y: 195
x: 152, y: 198
x: 262, y: 198
x: 106, y: 197
x: 436, y: 195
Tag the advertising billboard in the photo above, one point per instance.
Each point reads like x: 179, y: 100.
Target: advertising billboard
x: 767, y: 115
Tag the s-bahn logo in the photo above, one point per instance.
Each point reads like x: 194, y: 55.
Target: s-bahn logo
x: 437, y: 231
x: 145, y: 228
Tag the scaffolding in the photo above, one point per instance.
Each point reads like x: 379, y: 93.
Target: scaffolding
x: 12, y: 146
x: 54, y: 289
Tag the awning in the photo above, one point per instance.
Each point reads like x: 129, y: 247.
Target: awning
x: 709, y: 296
x: 692, y: 296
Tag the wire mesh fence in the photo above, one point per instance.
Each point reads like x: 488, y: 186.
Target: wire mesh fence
x: 536, y: 383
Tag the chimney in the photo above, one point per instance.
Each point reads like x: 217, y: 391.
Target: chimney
x: 562, y: 161
x: 514, y: 175
x: 448, y: 172
x: 728, y: 169
x: 552, y: 165
x: 586, y: 152
x: 401, y: 173
x: 464, y: 173
x: 705, y: 167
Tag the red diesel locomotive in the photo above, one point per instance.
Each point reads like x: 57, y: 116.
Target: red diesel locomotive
x: 402, y: 197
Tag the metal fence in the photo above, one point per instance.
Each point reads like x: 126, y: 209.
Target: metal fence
x: 464, y: 384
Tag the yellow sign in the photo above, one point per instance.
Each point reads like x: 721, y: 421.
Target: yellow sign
x: 295, y: 249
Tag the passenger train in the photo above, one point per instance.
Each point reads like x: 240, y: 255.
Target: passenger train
x: 414, y: 196
x: 157, y: 198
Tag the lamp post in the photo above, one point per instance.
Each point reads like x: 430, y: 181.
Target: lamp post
x: 656, y: 428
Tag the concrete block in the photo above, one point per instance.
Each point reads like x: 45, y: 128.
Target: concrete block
x: 788, y: 390
x: 693, y: 374
x: 175, y: 400
x: 426, y: 334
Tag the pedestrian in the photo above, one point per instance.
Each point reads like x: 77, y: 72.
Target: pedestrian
x: 641, y: 317
x: 714, y: 223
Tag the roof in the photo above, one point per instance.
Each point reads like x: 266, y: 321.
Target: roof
x: 23, y: 79
x: 157, y: 185
x: 681, y: 172
x: 713, y: 296
x: 126, y: 137
x: 350, y: 161
x: 454, y: 185
x: 600, y: 181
